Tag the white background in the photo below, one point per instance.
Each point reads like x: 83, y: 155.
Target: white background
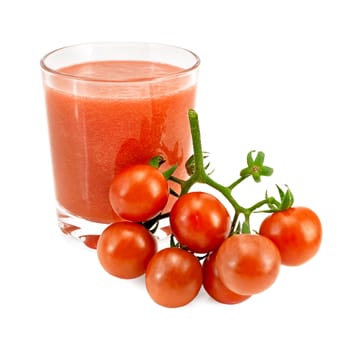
x: 274, y: 77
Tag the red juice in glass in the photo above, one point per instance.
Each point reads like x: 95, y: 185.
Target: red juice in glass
x: 110, y: 105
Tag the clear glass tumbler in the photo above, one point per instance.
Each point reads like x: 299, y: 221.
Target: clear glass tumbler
x: 110, y: 105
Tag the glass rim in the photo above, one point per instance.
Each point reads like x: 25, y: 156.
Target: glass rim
x: 183, y: 71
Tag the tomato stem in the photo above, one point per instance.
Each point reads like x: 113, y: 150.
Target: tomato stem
x: 197, y: 171
x: 197, y: 144
x: 199, y: 175
x: 235, y: 183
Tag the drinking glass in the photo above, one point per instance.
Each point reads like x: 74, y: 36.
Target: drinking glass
x: 109, y: 105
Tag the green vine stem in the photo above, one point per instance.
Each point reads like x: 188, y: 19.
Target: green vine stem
x: 255, y: 168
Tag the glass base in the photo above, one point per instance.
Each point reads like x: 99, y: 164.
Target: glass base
x: 88, y: 232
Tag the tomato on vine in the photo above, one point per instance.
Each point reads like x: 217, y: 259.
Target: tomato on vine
x: 173, y: 277
x: 297, y: 232
x: 139, y: 192
x: 200, y: 222
x: 214, y: 286
x: 125, y: 248
x: 247, y: 263
x: 237, y: 263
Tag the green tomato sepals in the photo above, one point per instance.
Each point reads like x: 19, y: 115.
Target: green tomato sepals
x: 286, y: 201
x: 256, y: 167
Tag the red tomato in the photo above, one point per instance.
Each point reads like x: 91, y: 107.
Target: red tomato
x: 139, y: 193
x: 200, y: 221
x: 213, y: 285
x: 125, y: 248
x: 247, y: 263
x: 297, y: 232
x: 173, y: 277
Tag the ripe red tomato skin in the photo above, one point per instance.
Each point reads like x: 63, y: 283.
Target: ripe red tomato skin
x: 214, y: 286
x: 173, y: 277
x: 200, y: 221
x: 297, y: 232
x: 125, y: 248
x: 138, y: 193
x: 248, y: 263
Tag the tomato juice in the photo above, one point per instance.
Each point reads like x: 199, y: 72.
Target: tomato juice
x: 98, y: 125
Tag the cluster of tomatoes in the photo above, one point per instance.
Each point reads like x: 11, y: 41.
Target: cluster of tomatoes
x: 204, y: 251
